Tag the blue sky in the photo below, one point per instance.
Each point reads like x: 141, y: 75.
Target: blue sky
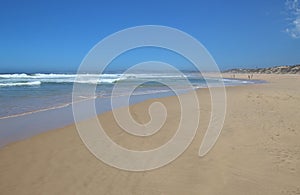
x: 54, y: 36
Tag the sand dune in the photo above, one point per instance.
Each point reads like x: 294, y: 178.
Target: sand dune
x: 258, y: 151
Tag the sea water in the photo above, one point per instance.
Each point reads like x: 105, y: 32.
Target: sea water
x: 33, y: 103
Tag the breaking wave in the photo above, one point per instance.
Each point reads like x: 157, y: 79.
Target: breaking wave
x: 20, y: 84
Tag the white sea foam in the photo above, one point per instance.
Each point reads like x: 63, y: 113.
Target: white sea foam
x: 26, y: 79
x: 19, y: 79
x: 235, y: 81
x: 20, y: 84
x: 10, y: 80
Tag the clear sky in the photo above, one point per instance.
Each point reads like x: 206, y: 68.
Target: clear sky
x: 54, y: 36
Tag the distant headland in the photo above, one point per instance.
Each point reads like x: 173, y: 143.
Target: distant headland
x: 285, y: 69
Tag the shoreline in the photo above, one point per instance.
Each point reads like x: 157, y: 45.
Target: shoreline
x: 63, y: 116
x: 65, y: 104
x: 25, y: 126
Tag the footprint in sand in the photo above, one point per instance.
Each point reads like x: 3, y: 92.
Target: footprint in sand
x: 293, y: 191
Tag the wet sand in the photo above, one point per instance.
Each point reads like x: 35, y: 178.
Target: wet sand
x: 258, y: 151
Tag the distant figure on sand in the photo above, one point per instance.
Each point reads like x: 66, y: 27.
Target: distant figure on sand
x: 248, y: 76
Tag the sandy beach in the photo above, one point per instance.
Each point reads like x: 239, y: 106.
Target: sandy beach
x: 258, y: 151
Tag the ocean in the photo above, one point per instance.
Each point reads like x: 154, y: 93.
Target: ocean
x: 30, y: 101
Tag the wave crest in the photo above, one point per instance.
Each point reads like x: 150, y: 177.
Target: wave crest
x: 20, y: 84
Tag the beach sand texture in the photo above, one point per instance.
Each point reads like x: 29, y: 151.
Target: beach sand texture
x: 258, y: 151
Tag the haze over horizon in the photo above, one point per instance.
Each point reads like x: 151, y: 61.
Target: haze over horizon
x: 55, y: 36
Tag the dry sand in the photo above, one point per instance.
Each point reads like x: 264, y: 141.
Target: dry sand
x: 258, y: 151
